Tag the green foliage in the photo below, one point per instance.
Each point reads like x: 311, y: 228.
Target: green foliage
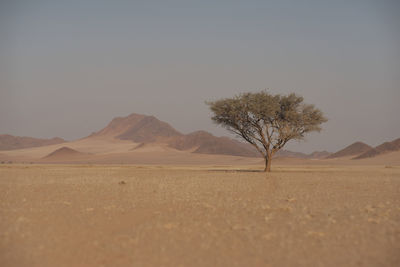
x: 267, y: 121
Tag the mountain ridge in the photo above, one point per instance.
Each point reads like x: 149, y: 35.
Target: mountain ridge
x: 148, y: 129
x: 144, y: 130
x: 353, y: 149
x: 11, y: 142
x: 383, y: 148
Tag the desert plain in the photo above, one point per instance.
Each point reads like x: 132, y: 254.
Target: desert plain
x: 321, y: 214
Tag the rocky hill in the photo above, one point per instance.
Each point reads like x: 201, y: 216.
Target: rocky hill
x: 138, y: 128
x: 381, y: 149
x: 354, y: 149
x: 205, y: 143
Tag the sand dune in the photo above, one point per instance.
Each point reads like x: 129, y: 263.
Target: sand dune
x: 65, y: 154
x: 120, y: 152
x: 87, y: 145
x: 105, y: 150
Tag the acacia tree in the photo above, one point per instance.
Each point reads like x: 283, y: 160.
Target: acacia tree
x: 267, y: 121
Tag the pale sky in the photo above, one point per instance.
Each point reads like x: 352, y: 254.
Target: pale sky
x: 68, y: 67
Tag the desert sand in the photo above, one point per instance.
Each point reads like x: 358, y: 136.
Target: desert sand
x: 109, y: 150
x: 203, y: 215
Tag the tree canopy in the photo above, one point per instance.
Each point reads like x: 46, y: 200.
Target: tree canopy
x: 267, y: 121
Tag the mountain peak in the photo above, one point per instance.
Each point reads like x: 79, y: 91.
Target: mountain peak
x: 148, y: 129
x: 138, y: 128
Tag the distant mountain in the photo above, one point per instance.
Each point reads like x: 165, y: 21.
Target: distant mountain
x: 354, y: 149
x: 10, y: 142
x: 148, y: 129
x: 138, y: 128
x: 149, y: 132
x: 381, y: 149
x: 205, y: 143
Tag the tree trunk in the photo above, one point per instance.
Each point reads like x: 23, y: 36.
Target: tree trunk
x: 268, y: 160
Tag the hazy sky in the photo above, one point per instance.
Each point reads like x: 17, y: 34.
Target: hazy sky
x: 68, y: 67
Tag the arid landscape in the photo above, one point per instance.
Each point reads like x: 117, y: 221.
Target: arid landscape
x: 171, y: 133
x: 139, y: 193
x: 210, y: 215
x: 142, y: 139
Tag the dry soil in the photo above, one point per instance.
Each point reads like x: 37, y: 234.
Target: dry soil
x: 87, y: 215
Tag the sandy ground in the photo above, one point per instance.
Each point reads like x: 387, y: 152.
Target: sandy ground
x: 86, y: 215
